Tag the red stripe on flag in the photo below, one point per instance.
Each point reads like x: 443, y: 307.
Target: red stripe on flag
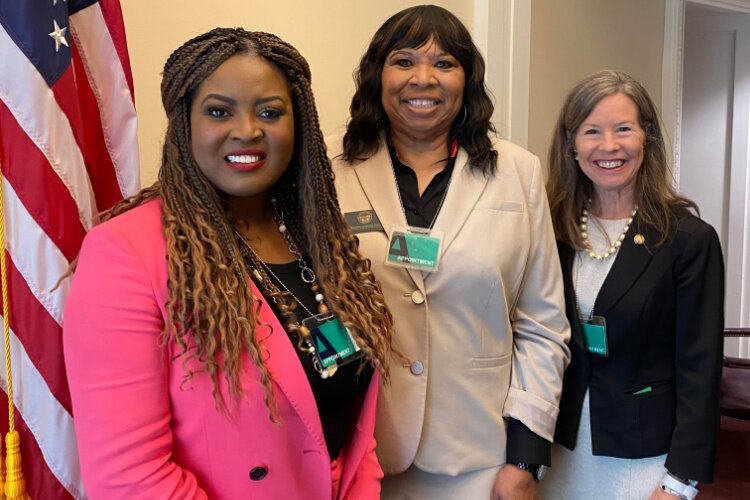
x: 76, y: 99
x: 96, y: 156
x: 39, y: 333
x: 66, y: 99
x: 39, y: 479
x: 113, y: 17
x: 39, y: 187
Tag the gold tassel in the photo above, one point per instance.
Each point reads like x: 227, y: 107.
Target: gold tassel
x: 2, y: 472
x: 15, y: 484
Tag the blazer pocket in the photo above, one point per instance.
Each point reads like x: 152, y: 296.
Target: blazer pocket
x: 649, y: 390
x: 501, y: 205
x: 490, y: 362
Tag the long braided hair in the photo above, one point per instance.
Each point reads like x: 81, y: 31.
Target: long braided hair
x: 212, y: 313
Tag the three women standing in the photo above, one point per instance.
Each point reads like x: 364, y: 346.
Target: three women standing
x: 457, y: 227
x: 221, y: 355
x: 644, y: 283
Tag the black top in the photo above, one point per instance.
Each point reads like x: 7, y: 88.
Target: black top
x: 337, y: 395
x: 523, y: 446
x: 421, y: 210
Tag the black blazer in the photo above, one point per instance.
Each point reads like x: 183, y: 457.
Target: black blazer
x: 664, y: 308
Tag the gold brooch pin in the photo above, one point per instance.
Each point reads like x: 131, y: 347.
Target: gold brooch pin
x: 639, y: 239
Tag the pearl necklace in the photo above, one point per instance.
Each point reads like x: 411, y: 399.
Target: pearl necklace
x: 617, y: 244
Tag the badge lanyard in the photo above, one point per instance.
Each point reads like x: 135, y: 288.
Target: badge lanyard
x: 329, y: 342
x: 323, y: 336
x: 594, y: 328
x: 416, y: 247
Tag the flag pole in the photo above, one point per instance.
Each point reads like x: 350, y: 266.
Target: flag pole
x: 15, y: 485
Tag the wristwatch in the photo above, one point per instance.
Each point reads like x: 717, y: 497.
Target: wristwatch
x: 683, y: 488
x: 537, y: 471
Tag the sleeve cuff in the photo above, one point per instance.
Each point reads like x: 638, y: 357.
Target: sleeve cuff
x: 524, y: 446
x: 538, y: 415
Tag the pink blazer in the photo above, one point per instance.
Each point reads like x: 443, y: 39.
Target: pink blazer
x: 144, y: 433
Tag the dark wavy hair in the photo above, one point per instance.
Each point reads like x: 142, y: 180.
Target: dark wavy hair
x: 569, y: 189
x: 412, y: 28
x: 212, y: 315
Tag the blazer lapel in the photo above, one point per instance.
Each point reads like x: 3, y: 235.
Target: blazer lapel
x: 379, y: 185
x: 463, y: 193
x: 631, y: 261
x: 287, y: 372
x: 567, y: 256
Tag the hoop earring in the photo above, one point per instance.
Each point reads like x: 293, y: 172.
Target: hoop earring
x: 462, y: 121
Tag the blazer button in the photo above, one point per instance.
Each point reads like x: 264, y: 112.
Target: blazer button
x: 416, y: 368
x: 417, y: 297
x: 258, y: 473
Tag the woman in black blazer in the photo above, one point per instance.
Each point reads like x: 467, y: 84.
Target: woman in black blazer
x: 644, y: 283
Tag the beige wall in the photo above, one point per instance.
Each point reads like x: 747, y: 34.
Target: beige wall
x: 331, y: 34
x: 574, y: 38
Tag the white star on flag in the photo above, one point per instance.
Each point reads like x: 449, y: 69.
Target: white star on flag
x: 59, y: 36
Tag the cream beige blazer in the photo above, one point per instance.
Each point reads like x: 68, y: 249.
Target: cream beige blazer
x: 485, y: 335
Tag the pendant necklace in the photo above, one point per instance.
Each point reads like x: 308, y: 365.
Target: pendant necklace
x: 306, y: 343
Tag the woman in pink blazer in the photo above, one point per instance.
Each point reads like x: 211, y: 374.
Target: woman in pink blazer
x: 223, y: 337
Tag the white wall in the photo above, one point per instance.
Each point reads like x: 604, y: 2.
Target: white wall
x: 331, y: 34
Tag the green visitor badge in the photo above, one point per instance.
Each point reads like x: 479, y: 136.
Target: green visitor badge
x: 414, y: 247
x: 595, y: 335
x: 333, y: 342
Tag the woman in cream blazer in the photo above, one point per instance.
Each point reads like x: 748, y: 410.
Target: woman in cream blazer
x: 483, y: 336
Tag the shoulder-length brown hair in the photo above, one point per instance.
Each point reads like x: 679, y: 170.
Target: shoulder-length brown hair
x: 569, y: 189
x: 412, y: 28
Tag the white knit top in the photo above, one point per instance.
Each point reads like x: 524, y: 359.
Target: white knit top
x: 588, y: 273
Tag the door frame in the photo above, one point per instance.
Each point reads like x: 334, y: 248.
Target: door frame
x: 738, y: 251
x: 507, y: 55
x: 672, y: 60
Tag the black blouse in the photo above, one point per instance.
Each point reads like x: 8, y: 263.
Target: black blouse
x: 337, y: 395
x: 421, y: 210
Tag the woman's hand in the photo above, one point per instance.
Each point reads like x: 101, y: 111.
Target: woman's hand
x: 512, y: 483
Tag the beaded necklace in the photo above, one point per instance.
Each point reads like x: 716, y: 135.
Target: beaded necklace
x: 613, y: 247
x: 305, y: 342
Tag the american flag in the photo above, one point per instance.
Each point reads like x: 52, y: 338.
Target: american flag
x: 68, y: 151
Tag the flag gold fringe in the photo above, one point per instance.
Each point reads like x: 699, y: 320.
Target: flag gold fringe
x: 15, y: 485
x: 2, y: 473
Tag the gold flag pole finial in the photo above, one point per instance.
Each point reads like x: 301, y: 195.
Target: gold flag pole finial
x: 15, y: 484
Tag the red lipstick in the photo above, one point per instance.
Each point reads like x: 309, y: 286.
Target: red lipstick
x: 245, y: 160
